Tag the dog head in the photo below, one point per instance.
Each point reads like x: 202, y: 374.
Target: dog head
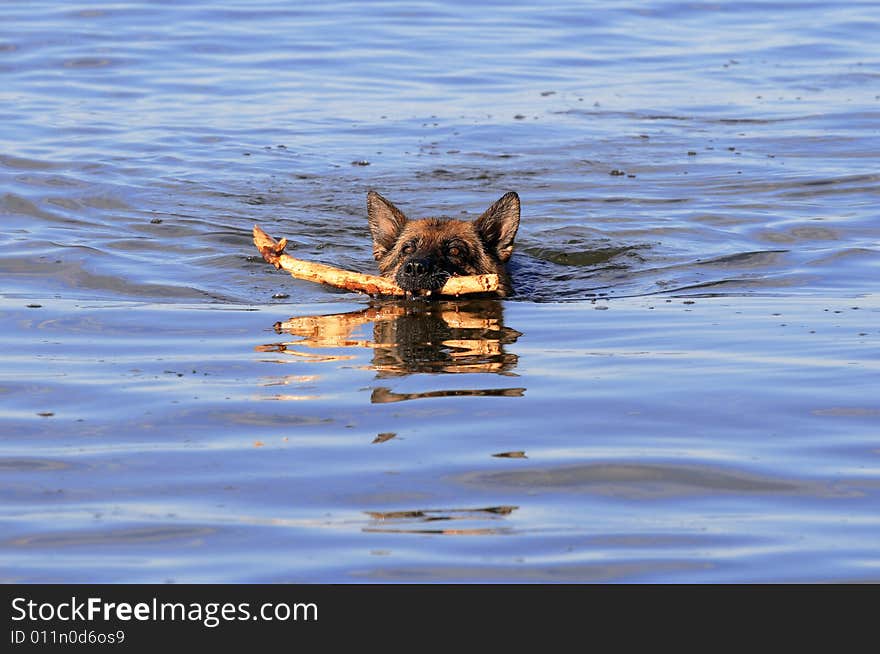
x: 420, y: 255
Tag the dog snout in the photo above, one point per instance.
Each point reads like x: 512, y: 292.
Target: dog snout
x: 417, y: 267
x: 421, y: 274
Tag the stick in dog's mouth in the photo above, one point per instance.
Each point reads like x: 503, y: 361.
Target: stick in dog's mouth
x: 273, y: 252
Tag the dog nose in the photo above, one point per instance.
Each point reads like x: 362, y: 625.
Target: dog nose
x: 416, y: 267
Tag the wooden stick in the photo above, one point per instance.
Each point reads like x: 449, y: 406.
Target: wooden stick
x: 273, y: 252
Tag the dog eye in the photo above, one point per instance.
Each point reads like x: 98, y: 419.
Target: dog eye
x: 409, y: 248
x: 454, y: 251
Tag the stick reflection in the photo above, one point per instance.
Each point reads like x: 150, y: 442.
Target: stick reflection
x: 408, y: 338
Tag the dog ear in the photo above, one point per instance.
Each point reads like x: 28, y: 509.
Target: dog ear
x: 386, y: 221
x: 497, y: 226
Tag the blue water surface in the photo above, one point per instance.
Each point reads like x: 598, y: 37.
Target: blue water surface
x: 683, y: 389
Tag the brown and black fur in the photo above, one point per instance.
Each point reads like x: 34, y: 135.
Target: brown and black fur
x: 420, y: 255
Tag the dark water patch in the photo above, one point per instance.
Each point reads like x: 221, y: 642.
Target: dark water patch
x: 808, y: 187
x: 273, y: 420
x: 700, y: 120
x: 569, y: 257
x: 546, y: 573
x: 799, y: 234
x: 849, y: 412
x: 23, y: 163
x: 11, y: 204
x: 92, y: 62
x: 645, y: 481
x: 733, y: 286
x: 746, y: 260
x: 11, y: 465
x: 649, y: 540
x: 460, y: 174
x: 186, y: 536
x: 69, y: 275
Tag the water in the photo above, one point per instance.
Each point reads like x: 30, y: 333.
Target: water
x: 684, y: 388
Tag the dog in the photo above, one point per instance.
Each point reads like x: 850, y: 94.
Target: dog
x: 421, y: 255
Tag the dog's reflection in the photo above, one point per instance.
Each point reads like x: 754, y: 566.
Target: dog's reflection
x: 415, y: 337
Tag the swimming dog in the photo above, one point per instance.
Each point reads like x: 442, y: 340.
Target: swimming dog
x: 420, y: 255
